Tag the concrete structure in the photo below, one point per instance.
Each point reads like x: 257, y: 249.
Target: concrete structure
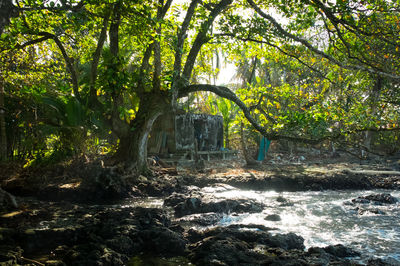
x: 180, y: 133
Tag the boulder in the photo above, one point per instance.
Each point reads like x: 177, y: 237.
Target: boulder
x: 186, y: 205
x: 203, y: 219
x: 377, y: 199
x: 162, y: 241
x: 233, y: 246
x: 284, y: 202
x: 341, y: 251
x: 273, y: 218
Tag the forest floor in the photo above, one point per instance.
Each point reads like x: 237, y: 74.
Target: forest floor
x: 72, y: 213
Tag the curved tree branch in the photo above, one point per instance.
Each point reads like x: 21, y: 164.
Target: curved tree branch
x: 95, y: 62
x: 182, y: 35
x: 202, y: 38
x: 322, y: 75
x: 315, y: 50
x: 68, y: 61
x: 31, y: 42
x: 157, y: 48
x: 7, y: 11
x: 226, y: 93
x: 70, y: 65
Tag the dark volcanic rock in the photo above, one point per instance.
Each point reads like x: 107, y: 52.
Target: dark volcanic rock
x: 96, y: 235
x: 162, y: 241
x: 362, y: 211
x: 232, y: 246
x: 273, y: 217
x: 185, y: 205
x: 213, y: 251
x: 341, y: 251
x: 284, y: 202
x: 284, y: 241
x: 382, y: 198
x: 203, y: 219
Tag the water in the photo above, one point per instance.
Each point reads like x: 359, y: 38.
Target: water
x: 322, y: 218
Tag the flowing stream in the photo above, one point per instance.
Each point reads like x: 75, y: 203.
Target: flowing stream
x: 322, y: 218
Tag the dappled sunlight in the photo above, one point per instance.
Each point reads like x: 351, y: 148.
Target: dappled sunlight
x: 70, y: 185
x: 11, y: 214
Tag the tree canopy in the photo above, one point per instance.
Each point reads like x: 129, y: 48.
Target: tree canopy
x: 88, y: 74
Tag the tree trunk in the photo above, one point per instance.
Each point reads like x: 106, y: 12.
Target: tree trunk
x: 132, y: 148
x: 373, y: 101
x: 7, y: 11
x: 247, y: 156
x: 3, y: 135
x: 227, y: 144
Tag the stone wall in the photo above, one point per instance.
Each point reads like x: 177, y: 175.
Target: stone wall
x: 178, y: 133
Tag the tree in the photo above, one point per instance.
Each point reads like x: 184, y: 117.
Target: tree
x: 3, y: 135
x: 147, y: 62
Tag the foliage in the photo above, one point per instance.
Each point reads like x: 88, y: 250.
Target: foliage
x: 81, y: 73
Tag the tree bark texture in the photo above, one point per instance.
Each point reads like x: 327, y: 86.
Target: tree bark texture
x: 247, y: 156
x: 202, y: 38
x: 7, y: 11
x: 3, y: 135
x: 132, y: 148
x: 93, y: 101
x: 373, y: 101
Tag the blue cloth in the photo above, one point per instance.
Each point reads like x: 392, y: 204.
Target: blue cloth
x: 264, y: 146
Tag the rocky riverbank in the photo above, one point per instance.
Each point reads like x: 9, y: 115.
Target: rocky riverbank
x: 74, y: 215
x: 68, y: 234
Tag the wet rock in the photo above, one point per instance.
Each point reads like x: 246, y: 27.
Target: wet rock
x: 331, y: 255
x: 188, y: 206
x: 377, y: 262
x: 251, y: 226
x: 383, y: 198
x: 174, y: 199
x: 100, y: 235
x: 360, y: 201
x: 231, y: 205
x: 284, y: 202
x: 162, y: 241
x: 184, y: 205
x: 229, y: 246
x: 223, y: 252
x: 287, y: 241
x: 273, y: 218
x: 122, y: 244
x: 149, y: 217
x: 157, y: 188
x: 284, y: 241
x: 362, y: 211
x: 203, y: 219
x: 341, y: 251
